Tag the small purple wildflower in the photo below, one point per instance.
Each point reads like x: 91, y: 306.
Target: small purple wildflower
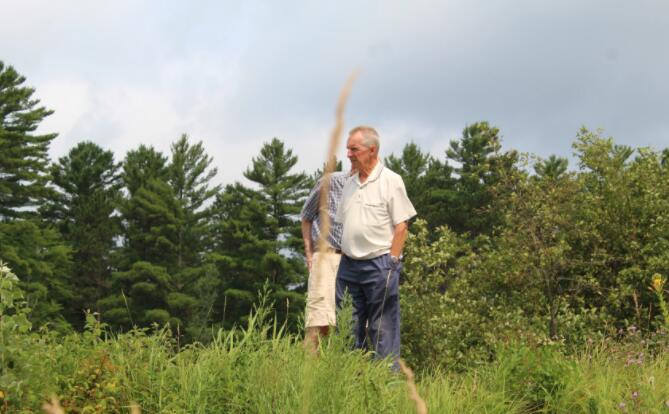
x: 634, y: 359
x: 635, y: 394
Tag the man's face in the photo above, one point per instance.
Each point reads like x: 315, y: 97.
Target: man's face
x: 360, y: 156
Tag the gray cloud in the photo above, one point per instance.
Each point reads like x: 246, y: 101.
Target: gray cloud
x: 239, y: 73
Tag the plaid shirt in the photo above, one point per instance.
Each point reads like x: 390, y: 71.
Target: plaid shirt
x: 310, y: 209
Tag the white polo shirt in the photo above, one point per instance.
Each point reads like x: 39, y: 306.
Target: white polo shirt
x: 370, y: 211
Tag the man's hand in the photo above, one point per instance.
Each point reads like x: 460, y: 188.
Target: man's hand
x: 308, y: 244
x: 394, y: 262
x: 309, y: 261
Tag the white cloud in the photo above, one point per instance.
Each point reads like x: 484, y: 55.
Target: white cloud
x: 68, y: 116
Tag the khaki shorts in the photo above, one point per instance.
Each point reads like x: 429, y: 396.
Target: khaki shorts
x: 320, y: 309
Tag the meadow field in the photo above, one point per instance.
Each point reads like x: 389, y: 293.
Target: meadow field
x: 260, y: 368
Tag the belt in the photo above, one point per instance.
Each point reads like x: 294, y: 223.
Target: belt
x: 332, y: 250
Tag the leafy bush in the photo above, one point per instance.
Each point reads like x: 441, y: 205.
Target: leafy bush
x: 454, y: 313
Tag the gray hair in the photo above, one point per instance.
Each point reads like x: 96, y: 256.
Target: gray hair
x: 369, y: 136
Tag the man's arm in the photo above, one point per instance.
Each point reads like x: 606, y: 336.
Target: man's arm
x: 308, y: 215
x: 399, y: 237
x: 401, y: 211
x: 308, y: 244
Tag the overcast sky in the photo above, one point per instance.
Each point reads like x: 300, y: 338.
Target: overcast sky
x: 235, y: 74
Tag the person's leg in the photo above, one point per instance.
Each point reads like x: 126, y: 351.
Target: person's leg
x: 329, y: 289
x: 384, y: 309
x: 347, y: 276
x: 316, y: 312
x: 321, y: 299
x: 311, y: 338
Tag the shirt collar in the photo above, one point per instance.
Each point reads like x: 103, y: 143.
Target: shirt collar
x: 373, y: 176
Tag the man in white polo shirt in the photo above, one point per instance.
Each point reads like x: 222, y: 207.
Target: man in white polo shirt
x: 374, y: 212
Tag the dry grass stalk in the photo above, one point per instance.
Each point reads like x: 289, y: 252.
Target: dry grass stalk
x: 330, y: 161
x: 53, y: 407
x: 421, y: 407
x: 330, y: 165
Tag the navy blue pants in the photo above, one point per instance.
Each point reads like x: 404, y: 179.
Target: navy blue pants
x: 374, y: 288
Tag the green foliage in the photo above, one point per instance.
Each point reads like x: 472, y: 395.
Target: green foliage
x: 551, y: 168
x: 439, y: 190
x: 13, y: 306
x: 412, y: 165
x: 89, y: 192
x: 281, y: 191
x: 261, y: 368
x: 150, y: 214
x: 29, y: 245
x: 38, y: 254
x: 190, y: 175
x: 481, y: 167
x: 451, y: 304
x: 623, y: 226
x: 571, y: 259
x: 143, y: 290
x: 257, y: 233
x: 23, y: 154
x: 429, y: 335
x: 540, y: 227
x: 165, y: 276
x: 658, y: 288
x: 195, y: 280
x: 429, y: 182
x: 14, y: 327
x: 471, y: 182
x: 536, y: 376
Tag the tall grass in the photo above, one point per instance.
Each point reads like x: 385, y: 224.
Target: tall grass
x: 263, y: 369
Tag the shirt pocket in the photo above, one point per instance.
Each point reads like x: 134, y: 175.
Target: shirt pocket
x: 376, y: 213
x: 374, y: 205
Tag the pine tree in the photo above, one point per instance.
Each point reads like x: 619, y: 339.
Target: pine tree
x: 257, y: 234
x: 89, y: 191
x: 281, y: 191
x: 195, y: 280
x: 481, y: 168
x: 165, y: 277
x: 282, y: 194
x: 34, y: 250
x: 190, y: 175
x: 23, y: 154
x: 412, y: 165
x: 552, y: 168
x: 150, y: 210
x: 150, y: 216
x: 439, y: 195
